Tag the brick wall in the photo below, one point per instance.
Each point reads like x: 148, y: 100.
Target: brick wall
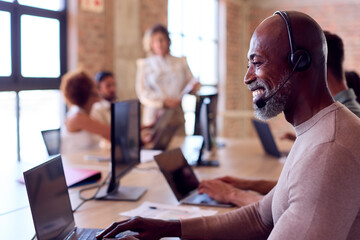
x: 152, y: 12
x: 233, y: 116
x: 132, y: 18
x: 341, y: 17
x: 113, y: 40
x: 95, y: 39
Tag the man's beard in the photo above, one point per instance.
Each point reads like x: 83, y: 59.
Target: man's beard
x: 277, y: 103
x: 110, y: 98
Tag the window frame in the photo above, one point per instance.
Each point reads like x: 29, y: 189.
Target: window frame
x: 16, y: 82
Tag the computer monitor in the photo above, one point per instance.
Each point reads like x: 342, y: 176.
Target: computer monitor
x: 125, y: 150
x: 207, y: 140
x: 205, y: 124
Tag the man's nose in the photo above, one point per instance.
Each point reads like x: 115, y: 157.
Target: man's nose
x: 249, y: 76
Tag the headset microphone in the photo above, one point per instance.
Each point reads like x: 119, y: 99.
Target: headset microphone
x: 262, y: 101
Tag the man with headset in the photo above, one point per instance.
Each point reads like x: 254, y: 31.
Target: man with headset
x: 234, y: 190
x: 317, y: 195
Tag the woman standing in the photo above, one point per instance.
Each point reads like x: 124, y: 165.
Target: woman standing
x: 162, y: 79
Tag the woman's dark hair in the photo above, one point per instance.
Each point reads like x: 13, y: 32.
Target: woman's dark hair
x: 77, y: 87
x: 159, y: 28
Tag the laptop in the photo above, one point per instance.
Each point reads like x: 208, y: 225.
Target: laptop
x: 52, y: 141
x: 163, y: 131
x: 50, y: 203
x: 267, y: 140
x: 182, y: 179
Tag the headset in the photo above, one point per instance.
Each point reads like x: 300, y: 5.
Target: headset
x: 295, y: 53
x: 299, y: 60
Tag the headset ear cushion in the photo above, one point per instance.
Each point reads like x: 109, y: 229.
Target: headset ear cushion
x: 305, y: 60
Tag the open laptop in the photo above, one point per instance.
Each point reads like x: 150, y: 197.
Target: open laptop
x: 267, y: 140
x: 182, y: 179
x: 52, y: 141
x: 50, y: 203
x: 163, y: 131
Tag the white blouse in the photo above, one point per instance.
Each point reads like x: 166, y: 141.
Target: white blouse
x: 77, y: 141
x: 101, y: 111
x: 158, y: 78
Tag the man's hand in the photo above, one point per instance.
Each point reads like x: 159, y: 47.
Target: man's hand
x: 255, y: 185
x: 235, y: 182
x: 226, y: 193
x: 172, y: 102
x: 146, y: 228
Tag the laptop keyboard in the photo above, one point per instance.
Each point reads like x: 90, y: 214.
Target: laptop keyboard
x: 125, y: 233
x: 86, y: 233
x: 203, y: 198
x: 90, y: 234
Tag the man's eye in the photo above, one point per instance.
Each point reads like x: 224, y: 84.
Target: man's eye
x: 256, y: 64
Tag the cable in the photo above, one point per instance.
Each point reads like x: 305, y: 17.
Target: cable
x: 84, y: 200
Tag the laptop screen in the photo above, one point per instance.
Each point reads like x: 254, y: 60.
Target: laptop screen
x: 266, y: 137
x: 164, y: 130
x: 49, y: 200
x: 178, y: 173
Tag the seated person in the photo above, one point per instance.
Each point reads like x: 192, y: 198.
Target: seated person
x: 106, y: 85
x: 80, y: 131
x: 231, y: 189
x: 317, y: 195
x: 101, y: 110
x: 336, y: 75
x: 353, y: 82
x: 336, y: 78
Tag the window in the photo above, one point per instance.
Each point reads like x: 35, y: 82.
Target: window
x: 40, y: 42
x: 193, y: 28
x: 8, y: 136
x: 5, y: 44
x: 32, y: 59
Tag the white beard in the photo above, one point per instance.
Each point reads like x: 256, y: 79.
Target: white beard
x: 277, y: 103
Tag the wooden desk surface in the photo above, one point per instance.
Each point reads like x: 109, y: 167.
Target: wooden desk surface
x: 241, y: 158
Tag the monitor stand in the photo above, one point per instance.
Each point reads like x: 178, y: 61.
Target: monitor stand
x: 123, y: 193
x: 205, y: 163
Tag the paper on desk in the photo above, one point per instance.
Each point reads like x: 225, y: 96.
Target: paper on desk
x: 167, y: 212
x: 147, y: 155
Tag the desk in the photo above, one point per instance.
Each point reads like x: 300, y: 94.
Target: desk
x: 242, y: 158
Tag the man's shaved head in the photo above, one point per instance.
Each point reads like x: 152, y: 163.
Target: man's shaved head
x: 269, y: 65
